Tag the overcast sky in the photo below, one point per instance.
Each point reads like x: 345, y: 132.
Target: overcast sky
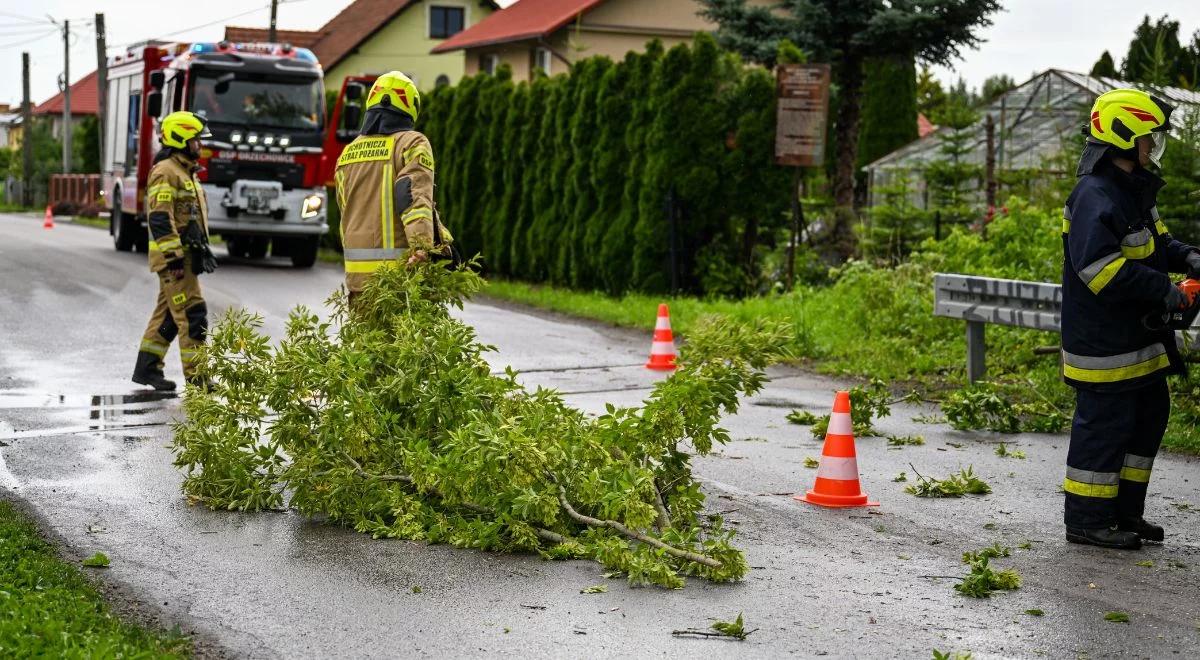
x: 1029, y: 36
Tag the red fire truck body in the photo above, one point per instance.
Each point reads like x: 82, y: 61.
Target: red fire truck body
x: 264, y: 167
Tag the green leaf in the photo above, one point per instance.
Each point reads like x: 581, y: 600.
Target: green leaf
x: 735, y: 628
x: 812, y: 463
x: 1117, y: 617
x: 595, y: 589
x: 98, y: 560
x: 1035, y: 612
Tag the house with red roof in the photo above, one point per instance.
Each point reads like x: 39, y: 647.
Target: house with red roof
x: 84, y: 103
x: 372, y: 37
x: 549, y: 35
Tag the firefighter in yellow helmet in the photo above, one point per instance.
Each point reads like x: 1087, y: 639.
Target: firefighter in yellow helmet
x: 177, y: 218
x: 1117, y: 256
x: 385, y: 186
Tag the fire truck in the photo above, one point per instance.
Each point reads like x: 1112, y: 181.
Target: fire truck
x: 264, y: 168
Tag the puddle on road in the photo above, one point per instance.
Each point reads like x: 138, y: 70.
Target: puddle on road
x: 41, y: 400
x: 105, y: 412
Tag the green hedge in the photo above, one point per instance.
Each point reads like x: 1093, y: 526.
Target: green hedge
x: 566, y: 180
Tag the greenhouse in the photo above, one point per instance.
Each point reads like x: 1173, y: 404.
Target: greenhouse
x: 1036, y: 129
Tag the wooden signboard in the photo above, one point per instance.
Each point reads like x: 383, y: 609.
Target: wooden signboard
x: 802, y: 114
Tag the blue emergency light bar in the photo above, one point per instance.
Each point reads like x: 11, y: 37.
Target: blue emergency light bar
x: 283, y: 50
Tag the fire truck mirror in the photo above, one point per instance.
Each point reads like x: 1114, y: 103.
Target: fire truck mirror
x: 154, y: 104
x: 351, y: 118
x: 156, y: 80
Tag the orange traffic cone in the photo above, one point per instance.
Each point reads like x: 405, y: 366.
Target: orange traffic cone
x: 662, y: 351
x: 49, y: 223
x: 837, y: 477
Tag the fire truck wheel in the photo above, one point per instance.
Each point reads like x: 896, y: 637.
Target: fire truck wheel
x: 256, y: 248
x: 304, y: 251
x: 120, y: 227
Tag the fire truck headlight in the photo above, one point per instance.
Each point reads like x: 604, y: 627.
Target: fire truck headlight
x: 312, y: 206
x: 269, y: 140
x: 235, y: 137
x: 252, y: 138
x: 285, y: 141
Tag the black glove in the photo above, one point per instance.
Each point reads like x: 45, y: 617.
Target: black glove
x: 203, y: 260
x: 1175, y: 300
x: 1193, y: 264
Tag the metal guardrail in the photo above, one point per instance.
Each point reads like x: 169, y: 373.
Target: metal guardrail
x: 983, y: 300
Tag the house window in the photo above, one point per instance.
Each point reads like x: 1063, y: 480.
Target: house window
x: 489, y: 63
x: 541, y: 60
x: 445, y: 22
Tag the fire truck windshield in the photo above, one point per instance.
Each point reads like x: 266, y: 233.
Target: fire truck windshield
x: 258, y: 100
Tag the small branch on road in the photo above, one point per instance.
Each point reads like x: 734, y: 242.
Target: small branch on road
x: 706, y: 633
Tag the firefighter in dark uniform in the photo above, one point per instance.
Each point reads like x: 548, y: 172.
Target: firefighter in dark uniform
x: 1117, y: 256
x: 177, y: 216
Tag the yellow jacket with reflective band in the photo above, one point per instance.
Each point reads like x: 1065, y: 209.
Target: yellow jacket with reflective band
x: 376, y: 228
x: 173, y: 199
x: 1117, y: 255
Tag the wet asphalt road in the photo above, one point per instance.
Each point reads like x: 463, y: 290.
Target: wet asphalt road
x: 84, y: 449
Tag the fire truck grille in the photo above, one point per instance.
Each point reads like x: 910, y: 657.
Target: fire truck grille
x: 225, y: 172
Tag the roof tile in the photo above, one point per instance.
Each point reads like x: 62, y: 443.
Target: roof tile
x: 524, y: 20
x: 83, y: 99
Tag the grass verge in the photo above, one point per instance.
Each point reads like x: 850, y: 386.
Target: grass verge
x: 871, y: 323
x: 49, y: 608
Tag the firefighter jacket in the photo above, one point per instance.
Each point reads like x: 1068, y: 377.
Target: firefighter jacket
x: 174, y: 198
x: 385, y: 192
x: 1117, y: 253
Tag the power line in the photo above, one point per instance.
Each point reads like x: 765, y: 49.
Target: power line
x: 28, y: 19
x: 28, y: 41
x: 197, y: 27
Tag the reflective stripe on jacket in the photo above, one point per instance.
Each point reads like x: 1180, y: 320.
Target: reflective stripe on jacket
x: 173, y: 199
x: 1117, y: 253
x: 376, y: 227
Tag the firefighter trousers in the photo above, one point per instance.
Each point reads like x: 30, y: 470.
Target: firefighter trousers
x: 180, y: 312
x: 1114, y: 439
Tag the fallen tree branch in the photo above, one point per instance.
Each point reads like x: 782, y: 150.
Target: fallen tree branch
x: 635, y: 535
x: 543, y: 534
x: 663, y: 523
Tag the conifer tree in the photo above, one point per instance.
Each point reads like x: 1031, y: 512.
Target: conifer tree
x: 539, y: 97
x: 610, y: 159
x: 578, y: 263
x: 460, y: 142
x: 509, y: 172
x: 541, y: 176
x: 491, y: 119
x: 759, y: 202
x: 683, y: 165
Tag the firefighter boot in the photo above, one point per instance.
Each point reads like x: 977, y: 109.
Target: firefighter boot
x: 1107, y: 537
x: 1146, y: 531
x: 148, y: 371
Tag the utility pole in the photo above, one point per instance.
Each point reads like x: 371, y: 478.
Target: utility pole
x: 66, y: 113
x: 271, y: 30
x: 101, y: 85
x: 26, y: 136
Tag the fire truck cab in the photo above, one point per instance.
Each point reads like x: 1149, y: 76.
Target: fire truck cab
x: 262, y: 167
